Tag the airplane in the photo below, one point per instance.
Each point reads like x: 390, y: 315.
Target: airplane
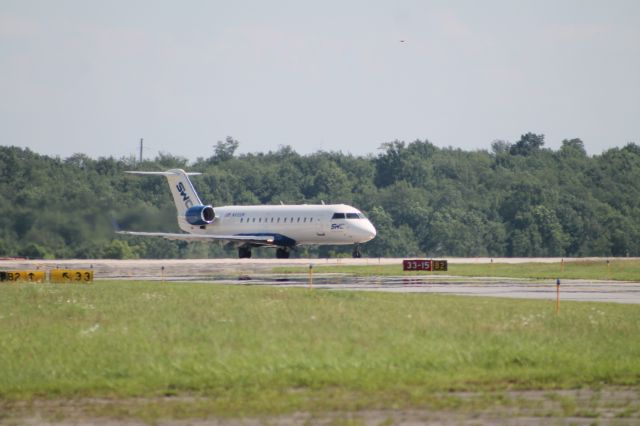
x: 283, y: 227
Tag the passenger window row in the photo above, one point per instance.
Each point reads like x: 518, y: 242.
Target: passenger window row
x: 299, y: 219
x: 276, y: 220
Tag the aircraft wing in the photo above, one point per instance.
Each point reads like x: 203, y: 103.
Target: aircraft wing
x: 263, y: 240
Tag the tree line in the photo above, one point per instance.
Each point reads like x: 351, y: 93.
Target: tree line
x: 515, y: 199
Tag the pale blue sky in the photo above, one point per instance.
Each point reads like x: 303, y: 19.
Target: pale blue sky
x: 95, y: 76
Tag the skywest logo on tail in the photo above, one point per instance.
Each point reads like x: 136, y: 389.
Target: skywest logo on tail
x: 283, y: 227
x: 182, y: 190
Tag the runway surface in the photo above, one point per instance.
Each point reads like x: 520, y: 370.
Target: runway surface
x: 573, y: 290
x: 257, y: 272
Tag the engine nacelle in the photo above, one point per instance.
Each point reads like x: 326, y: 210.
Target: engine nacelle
x: 200, y: 215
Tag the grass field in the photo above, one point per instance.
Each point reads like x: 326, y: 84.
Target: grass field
x: 256, y: 350
x: 623, y: 270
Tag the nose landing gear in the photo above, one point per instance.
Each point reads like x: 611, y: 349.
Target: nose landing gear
x: 356, y: 254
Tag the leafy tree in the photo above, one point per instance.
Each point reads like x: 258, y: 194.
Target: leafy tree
x: 391, y: 240
x: 527, y: 145
x: 573, y: 147
x: 34, y: 251
x: 517, y: 199
x: 119, y: 249
x: 224, y: 151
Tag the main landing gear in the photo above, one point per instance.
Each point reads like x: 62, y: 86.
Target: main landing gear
x: 282, y: 253
x: 356, y: 254
x: 244, y: 252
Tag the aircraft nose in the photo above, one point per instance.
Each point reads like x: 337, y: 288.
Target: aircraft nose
x: 373, y: 230
x: 369, y: 231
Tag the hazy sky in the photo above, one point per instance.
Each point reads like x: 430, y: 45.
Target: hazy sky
x: 96, y: 76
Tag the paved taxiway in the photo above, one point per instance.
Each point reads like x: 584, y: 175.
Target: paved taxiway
x: 226, y: 271
x: 574, y: 290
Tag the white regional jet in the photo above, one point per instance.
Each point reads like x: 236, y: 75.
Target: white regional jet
x: 281, y: 226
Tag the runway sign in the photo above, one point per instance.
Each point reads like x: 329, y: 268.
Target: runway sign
x: 424, y: 265
x: 23, y: 276
x: 71, y: 276
x: 439, y: 265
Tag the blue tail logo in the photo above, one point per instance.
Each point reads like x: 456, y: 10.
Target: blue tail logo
x: 183, y: 192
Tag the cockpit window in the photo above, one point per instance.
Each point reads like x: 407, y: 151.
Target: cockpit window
x: 338, y: 216
x: 353, y: 216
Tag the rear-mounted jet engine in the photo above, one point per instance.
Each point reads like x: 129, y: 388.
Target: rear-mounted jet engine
x: 200, y: 215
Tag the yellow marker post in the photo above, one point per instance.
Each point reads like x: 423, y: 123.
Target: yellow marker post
x: 77, y: 276
x: 557, y: 296
x: 562, y: 265
x: 310, y: 276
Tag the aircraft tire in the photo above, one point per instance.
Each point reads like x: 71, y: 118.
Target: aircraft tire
x: 282, y: 253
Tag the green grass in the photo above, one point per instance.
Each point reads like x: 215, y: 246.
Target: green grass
x: 623, y: 270
x: 263, y: 350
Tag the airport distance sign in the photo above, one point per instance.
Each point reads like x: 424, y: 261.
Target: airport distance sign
x: 71, y: 276
x: 29, y: 276
x: 424, y: 265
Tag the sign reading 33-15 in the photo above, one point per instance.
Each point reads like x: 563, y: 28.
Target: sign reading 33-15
x: 424, y: 265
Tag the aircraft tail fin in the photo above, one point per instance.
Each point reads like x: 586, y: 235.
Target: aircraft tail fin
x: 182, y: 190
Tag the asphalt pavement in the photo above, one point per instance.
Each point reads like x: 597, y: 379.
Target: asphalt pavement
x: 258, y: 272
